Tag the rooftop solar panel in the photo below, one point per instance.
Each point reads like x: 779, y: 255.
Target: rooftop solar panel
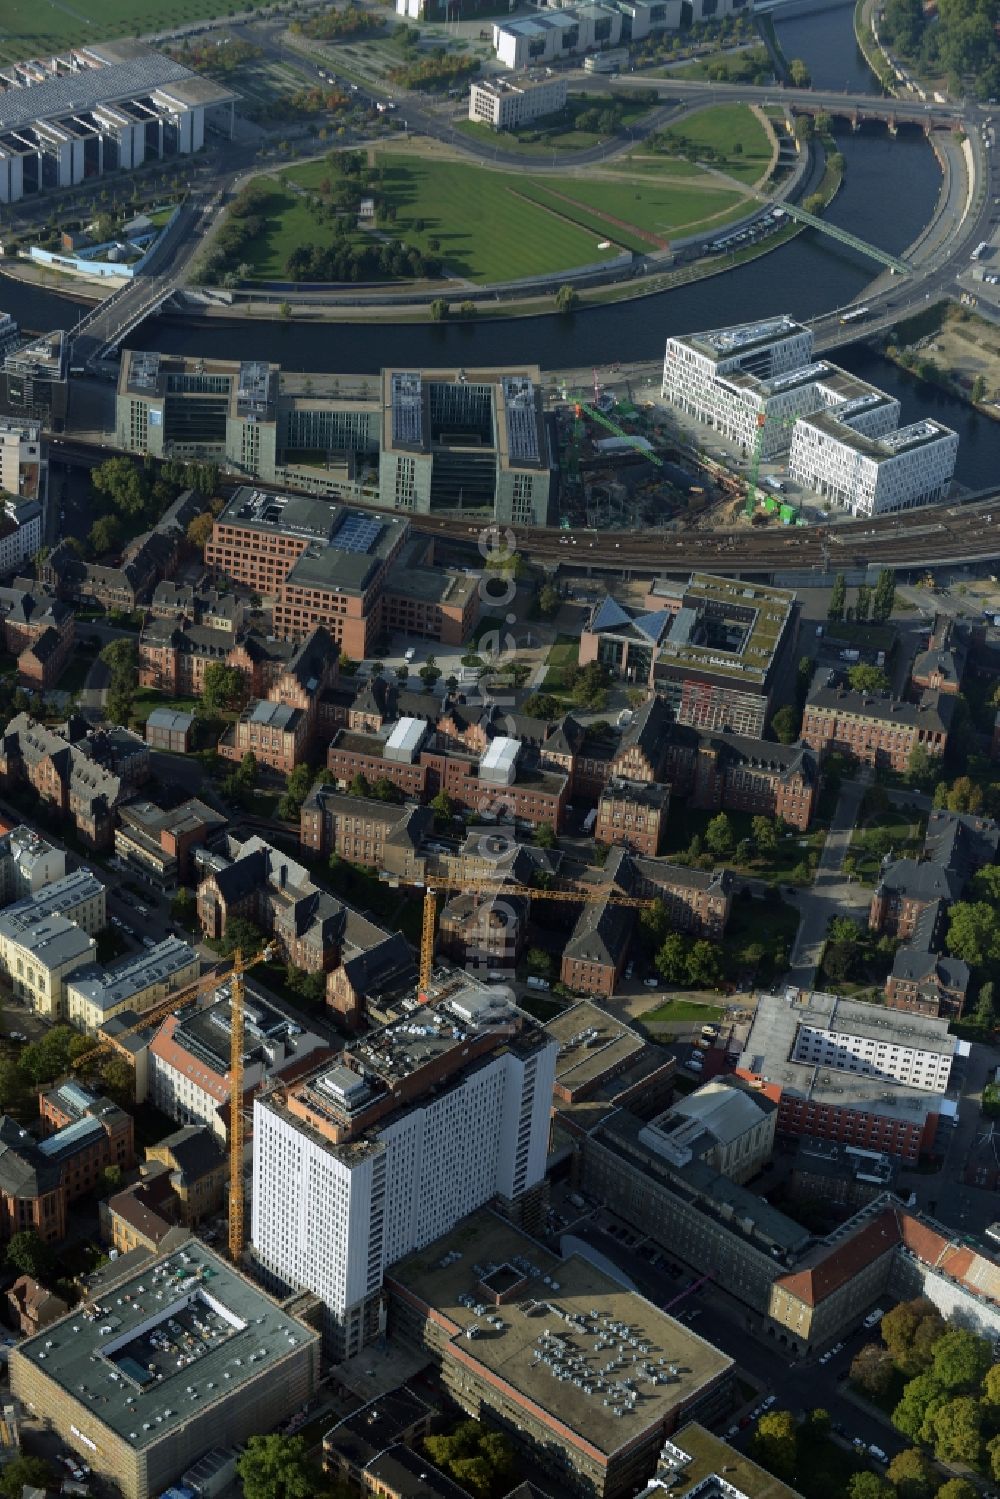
x: 407, y: 409
x: 522, y: 427
x: 358, y: 533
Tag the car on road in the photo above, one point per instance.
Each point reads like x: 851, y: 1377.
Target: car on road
x: 17, y: 1036
x: 651, y: 983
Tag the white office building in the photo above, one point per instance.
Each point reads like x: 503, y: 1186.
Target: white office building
x: 107, y: 107
x: 567, y: 31
x: 758, y: 385
x: 896, y: 470
x: 412, y: 1128
x: 505, y: 105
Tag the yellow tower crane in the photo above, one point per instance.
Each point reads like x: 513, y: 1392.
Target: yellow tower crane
x: 434, y: 883
x: 237, y: 1121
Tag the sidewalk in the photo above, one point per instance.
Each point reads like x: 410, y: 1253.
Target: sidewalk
x: 831, y: 892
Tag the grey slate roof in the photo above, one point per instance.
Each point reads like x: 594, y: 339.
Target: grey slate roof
x: 934, y: 711
x: 601, y: 933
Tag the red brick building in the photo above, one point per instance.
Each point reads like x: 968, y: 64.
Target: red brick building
x: 40, y: 631
x: 281, y: 727
x: 39, y: 1179
x: 875, y: 729
x: 425, y: 767
x: 633, y: 815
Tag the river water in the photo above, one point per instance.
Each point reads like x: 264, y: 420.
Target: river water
x: 826, y: 44
x: 810, y: 274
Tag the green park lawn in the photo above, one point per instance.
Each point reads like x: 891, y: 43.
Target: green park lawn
x: 721, y: 128
x: 32, y: 28
x: 562, y: 657
x: 678, y: 1010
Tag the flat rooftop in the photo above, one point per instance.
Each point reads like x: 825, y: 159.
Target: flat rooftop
x: 280, y: 514
x: 743, y: 338
x: 728, y: 627
x: 696, y: 1463
x: 174, y: 1337
x: 883, y: 449
x: 591, y: 1043
x: 80, y: 89
x: 564, y: 1317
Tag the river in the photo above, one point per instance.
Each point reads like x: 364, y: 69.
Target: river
x: 809, y: 275
x: 826, y: 43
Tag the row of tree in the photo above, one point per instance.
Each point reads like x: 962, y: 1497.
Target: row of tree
x: 875, y: 604
x: 950, y: 1399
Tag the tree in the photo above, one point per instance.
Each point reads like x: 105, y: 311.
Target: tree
x: 885, y: 595
x: 26, y: 1472
x: 774, y: 1444
x: 803, y: 128
x: 921, y: 1398
x: 869, y: 1486
x: 222, y: 689
x: 385, y: 790
x: 961, y: 1360
x: 909, y: 1331
x: 798, y: 73
x: 545, y: 835
x: 654, y: 923
x: 873, y: 1370
x: 993, y: 1449
x: 248, y: 772
x: 864, y: 678
x: 964, y: 796
x: 28, y: 1254
x: 991, y: 1385
x: 863, y: 606
x: 541, y: 705
x: 439, y: 309
x: 704, y: 966
x: 911, y: 1475
x: 838, y: 600
x: 182, y: 906
x: 105, y: 534
x: 785, y: 724
x: 111, y: 1178
x: 200, y: 529
x: 974, y: 933
x: 442, y: 806
x: 921, y: 768
x: 117, y: 1080
x: 764, y: 835
x: 566, y: 298
x: 358, y: 786
x: 959, y: 1488
x: 957, y: 1427
x: 719, y: 836
x: 474, y: 1457
x: 277, y: 1467
x: 548, y: 600
x: 241, y: 934
x: 539, y: 961
x: 671, y: 959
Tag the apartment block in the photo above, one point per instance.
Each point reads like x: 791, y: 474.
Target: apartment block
x: 364, y: 831
x: 507, y: 782
x: 85, y: 1389
x: 588, y: 1431
x: 713, y: 649
x: 698, y: 901
x: 412, y: 1128
x: 95, y: 994
x: 39, y: 630
x: 189, y: 1055
x: 468, y: 439
x: 317, y: 433
x: 759, y: 385
x: 46, y: 937
x: 28, y: 863
x: 65, y: 772
x: 852, y: 1072
x: 157, y: 846
x: 40, y: 1178
x: 505, y: 104
x: 874, y: 728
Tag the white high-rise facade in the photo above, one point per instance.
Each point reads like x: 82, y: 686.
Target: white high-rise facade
x: 389, y: 1147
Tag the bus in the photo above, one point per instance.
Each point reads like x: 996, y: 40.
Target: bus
x: 980, y: 250
x: 855, y: 315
